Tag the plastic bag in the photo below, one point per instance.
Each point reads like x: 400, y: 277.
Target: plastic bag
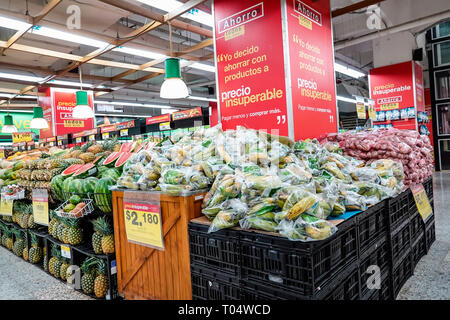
x: 229, y: 217
x: 306, y: 228
x: 259, y: 223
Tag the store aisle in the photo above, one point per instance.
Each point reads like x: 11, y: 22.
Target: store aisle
x: 21, y: 280
x: 431, y: 276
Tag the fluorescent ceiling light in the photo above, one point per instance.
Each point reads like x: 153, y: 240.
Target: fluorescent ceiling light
x: 20, y: 77
x: 202, y: 98
x: 345, y: 99
x: 67, y: 36
x: 202, y: 66
x: 10, y: 95
x: 140, y: 53
x: 170, y: 5
x: 13, y: 24
x: 348, y: 71
x: 20, y: 111
x: 133, y: 104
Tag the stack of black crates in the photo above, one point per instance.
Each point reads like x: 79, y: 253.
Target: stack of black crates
x: 369, y: 258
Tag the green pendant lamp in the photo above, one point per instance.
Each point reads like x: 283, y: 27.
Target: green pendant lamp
x: 173, y: 86
x: 38, y: 121
x: 82, y: 109
x: 8, y: 125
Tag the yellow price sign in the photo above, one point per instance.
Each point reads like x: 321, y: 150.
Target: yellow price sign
x: 105, y: 135
x: 6, y: 206
x: 372, y: 113
x: 389, y: 106
x: 361, y: 110
x: 2, y: 154
x: 65, y: 251
x: 21, y: 137
x: 40, y: 206
x: 78, y: 140
x: 143, y: 224
x: 124, y: 132
x: 422, y: 203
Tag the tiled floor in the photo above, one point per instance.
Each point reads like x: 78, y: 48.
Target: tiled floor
x: 431, y: 279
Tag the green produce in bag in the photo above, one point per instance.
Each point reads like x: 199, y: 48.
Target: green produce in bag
x: 256, y: 222
x: 267, y: 205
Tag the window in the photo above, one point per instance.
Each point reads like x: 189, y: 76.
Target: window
x: 442, y: 84
x: 442, y: 30
x: 443, y: 115
x: 441, y: 53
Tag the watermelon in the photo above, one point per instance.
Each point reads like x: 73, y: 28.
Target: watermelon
x: 75, y: 199
x: 97, y: 160
x: 111, y: 159
x: 71, y: 170
x: 111, y: 173
x: 65, y: 187
x: 123, y: 159
x: 56, y: 185
x: 103, y: 198
x: 86, y: 170
x: 88, y: 187
x: 100, y: 170
x: 138, y: 148
x: 75, y: 186
x: 127, y: 146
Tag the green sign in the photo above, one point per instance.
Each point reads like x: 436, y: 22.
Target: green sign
x: 21, y: 121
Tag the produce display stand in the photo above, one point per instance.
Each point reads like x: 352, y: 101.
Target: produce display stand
x: 235, y: 264
x: 147, y: 273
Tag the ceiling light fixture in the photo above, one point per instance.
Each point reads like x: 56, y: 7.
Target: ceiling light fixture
x: 8, y: 124
x: 82, y: 109
x: 38, y: 121
x: 170, y: 5
x: 348, y: 71
x: 173, y: 86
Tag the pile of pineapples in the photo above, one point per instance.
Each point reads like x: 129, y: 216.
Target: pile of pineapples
x: 23, y: 214
x: 6, y: 237
x: 103, y: 236
x: 57, y: 265
x: 19, y: 244
x: 66, y: 230
x: 94, y: 279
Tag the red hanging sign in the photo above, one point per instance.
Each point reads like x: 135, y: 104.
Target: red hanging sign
x: 157, y: 119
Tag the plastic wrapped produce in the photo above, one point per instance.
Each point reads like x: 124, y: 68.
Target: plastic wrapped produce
x: 406, y: 147
x: 306, y: 228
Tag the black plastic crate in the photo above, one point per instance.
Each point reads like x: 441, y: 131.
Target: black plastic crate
x: 418, y: 250
x: 301, y: 267
x: 400, y: 242
x: 371, y: 224
x: 430, y: 232
x: 398, y: 209
x: 379, y: 256
x: 416, y: 226
x: 401, y: 273
x: 384, y: 292
x: 80, y: 253
x: 219, y: 250
x: 260, y: 291
x: 209, y: 284
x: 347, y: 288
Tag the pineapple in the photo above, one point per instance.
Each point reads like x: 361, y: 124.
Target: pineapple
x: 97, y: 242
x: 63, y: 269
x: 103, y: 226
x: 23, y: 220
x: 60, y: 230
x: 19, y: 244
x: 52, y: 260
x: 75, y: 233
x: 65, y: 237
x: 101, y: 283
x: 89, y: 275
x: 35, y: 252
x: 31, y: 223
x: 25, y: 253
x: 53, y: 222
x: 57, y: 262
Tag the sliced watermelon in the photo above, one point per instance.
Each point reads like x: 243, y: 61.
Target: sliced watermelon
x: 111, y: 159
x: 127, y: 146
x: 123, y: 159
x: 96, y: 160
x: 86, y: 170
x: 71, y: 170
